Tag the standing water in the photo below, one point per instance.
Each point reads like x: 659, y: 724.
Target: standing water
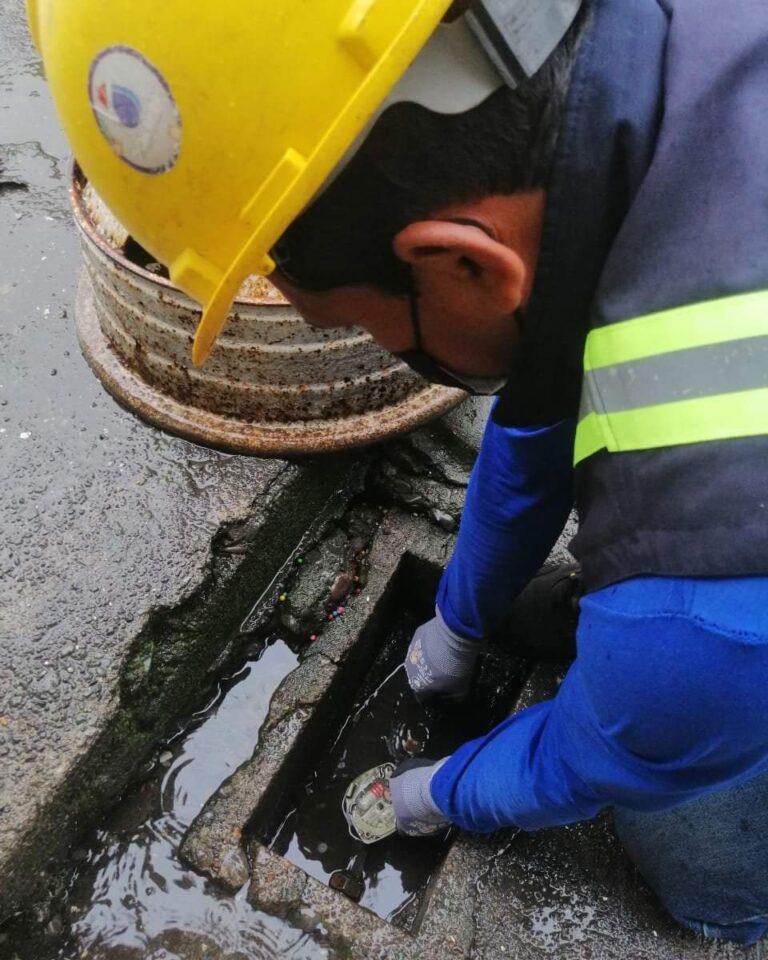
x: 386, y: 724
x: 131, y: 898
x: 385, y: 877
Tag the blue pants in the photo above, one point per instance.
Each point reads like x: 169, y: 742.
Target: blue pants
x: 707, y: 859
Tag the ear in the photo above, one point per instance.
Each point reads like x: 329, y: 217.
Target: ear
x: 464, y: 266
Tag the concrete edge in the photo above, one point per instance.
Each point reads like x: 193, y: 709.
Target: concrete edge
x: 193, y: 637
x: 213, y: 843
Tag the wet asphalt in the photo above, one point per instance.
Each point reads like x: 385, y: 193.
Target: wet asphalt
x: 104, y: 521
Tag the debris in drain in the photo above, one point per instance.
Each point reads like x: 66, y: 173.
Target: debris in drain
x: 321, y: 582
x: 350, y: 882
x: 327, y: 576
x: 345, y: 883
x: 413, y: 739
x: 367, y: 805
x: 307, y: 602
x: 342, y: 587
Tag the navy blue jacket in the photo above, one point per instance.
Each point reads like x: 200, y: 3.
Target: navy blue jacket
x: 658, y: 198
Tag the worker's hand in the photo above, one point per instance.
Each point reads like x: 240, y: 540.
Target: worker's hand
x: 416, y: 812
x: 440, y: 662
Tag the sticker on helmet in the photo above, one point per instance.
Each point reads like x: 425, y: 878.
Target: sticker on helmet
x: 135, y: 109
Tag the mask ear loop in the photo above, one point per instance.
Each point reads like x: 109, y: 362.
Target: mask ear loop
x: 413, y: 301
x: 413, y: 291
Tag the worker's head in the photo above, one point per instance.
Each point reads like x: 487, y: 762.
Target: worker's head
x: 390, y: 155
x: 429, y: 237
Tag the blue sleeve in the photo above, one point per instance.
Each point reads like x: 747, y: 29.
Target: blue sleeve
x: 666, y: 701
x: 521, y: 774
x: 518, y: 501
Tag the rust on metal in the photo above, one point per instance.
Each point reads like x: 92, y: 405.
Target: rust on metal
x: 273, y: 386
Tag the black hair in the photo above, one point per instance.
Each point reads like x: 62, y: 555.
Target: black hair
x: 415, y: 161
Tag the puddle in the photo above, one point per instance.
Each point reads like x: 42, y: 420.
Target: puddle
x: 130, y: 897
x: 386, y: 723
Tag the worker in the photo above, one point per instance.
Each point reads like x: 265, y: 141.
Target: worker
x: 562, y: 203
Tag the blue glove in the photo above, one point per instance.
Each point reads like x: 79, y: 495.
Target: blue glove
x: 416, y: 812
x: 439, y: 662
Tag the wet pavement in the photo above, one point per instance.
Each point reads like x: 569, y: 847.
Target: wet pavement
x: 113, y: 533
x: 129, y: 895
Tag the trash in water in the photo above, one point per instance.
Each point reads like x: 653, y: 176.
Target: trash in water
x: 367, y: 805
x: 412, y: 739
x: 350, y: 882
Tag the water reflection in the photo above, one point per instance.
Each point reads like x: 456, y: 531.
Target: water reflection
x: 385, y: 724
x: 132, y: 898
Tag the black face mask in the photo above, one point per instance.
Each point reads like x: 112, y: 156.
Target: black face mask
x: 302, y: 266
x: 427, y: 367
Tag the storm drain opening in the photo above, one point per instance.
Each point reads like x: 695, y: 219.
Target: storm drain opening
x: 378, y: 720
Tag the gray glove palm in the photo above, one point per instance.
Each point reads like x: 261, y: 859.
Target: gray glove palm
x: 416, y: 813
x: 440, y: 662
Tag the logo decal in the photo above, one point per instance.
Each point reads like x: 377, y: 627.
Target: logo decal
x: 135, y: 109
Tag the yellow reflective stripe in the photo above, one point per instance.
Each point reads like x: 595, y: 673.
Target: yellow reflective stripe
x: 697, y: 325
x: 589, y: 438
x: 722, y: 417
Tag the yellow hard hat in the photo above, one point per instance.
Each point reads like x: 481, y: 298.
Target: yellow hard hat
x: 208, y: 126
